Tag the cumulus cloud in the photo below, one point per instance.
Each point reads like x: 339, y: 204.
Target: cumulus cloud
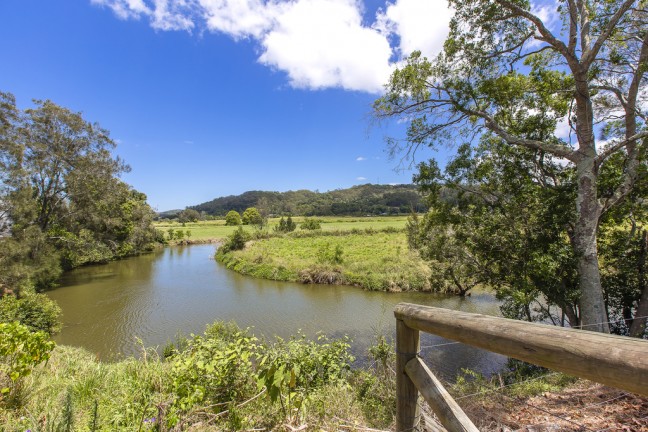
x: 361, y: 178
x: 317, y: 43
x: 420, y: 25
x: 361, y: 158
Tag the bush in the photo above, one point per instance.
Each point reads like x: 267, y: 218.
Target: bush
x: 232, y: 218
x: 236, y: 241
x: 311, y: 224
x: 35, y: 311
x: 214, y: 370
x: 251, y: 216
x: 20, y: 351
x: 286, y: 225
x: 292, y: 371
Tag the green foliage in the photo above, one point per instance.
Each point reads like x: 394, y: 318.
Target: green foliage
x: 214, y: 370
x: 35, y: 311
x: 20, y: 351
x: 285, y: 225
x: 503, y: 229
x: 311, y: 224
x: 251, y: 216
x: 359, y: 200
x: 233, y: 218
x: 234, y: 242
x: 189, y: 215
x: 292, y: 370
x: 491, y: 79
x: 60, y: 189
x: 328, y: 255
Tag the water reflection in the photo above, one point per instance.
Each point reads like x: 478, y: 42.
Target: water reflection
x: 181, y: 289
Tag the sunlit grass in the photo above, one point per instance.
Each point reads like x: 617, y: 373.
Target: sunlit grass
x: 217, y: 230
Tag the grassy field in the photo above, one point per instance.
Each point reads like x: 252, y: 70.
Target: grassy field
x: 372, y: 259
x: 217, y: 230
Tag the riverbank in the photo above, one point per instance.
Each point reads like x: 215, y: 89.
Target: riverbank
x: 377, y: 260
x: 226, y: 379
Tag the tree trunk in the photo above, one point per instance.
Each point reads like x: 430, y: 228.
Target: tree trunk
x: 588, y: 210
x: 592, y: 301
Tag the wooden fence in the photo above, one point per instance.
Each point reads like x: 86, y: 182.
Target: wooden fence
x: 616, y: 361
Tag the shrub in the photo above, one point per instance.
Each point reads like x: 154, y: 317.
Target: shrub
x: 232, y: 218
x: 292, y: 370
x: 20, y: 351
x: 236, y: 241
x: 35, y: 311
x: 311, y: 224
x: 286, y: 225
x: 214, y: 370
x: 251, y: 216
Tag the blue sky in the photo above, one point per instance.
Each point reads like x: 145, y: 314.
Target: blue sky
x: 215, y: 97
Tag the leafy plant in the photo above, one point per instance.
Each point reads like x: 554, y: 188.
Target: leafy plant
x: 214, y: 370
x: 292, y: 370
x: 36, y: 311
x: 233, y: 218
x: 311, y: 224
x: 20, y: 351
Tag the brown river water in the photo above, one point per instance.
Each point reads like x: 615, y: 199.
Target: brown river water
x: 178, y: 290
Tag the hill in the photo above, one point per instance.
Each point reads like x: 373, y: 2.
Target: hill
x: 368, y: 199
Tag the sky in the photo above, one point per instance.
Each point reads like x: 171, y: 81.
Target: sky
x: 207, y: 98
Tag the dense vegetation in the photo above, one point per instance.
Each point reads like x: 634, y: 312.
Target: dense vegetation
x: 62, y: 203
x: 224, y: 379
x: 356, y: 201
x: 540, y: 209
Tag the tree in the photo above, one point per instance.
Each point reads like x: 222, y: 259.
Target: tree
x: 189, y: 215
x: 251, y: 216
x: 233, y: 218
x: 507, y: 226
x: 504, y: 70
x: 61, y: 201
x: 286, y: 225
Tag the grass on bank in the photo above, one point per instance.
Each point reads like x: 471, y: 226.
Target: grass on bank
x: 217, y: 230
x: 374, y: 260
x: 223, y: 380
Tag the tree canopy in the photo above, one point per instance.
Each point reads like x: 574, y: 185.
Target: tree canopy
x: 62, y: 202
x: 506, y: 71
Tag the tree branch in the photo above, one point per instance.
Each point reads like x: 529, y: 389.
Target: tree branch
x: 591, y: 53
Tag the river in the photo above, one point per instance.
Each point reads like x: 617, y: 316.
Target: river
x: 154, y: 297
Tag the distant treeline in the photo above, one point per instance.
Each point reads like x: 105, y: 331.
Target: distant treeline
x: 368, y: 199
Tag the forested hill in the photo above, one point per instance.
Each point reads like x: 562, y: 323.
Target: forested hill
x: 355, y: 201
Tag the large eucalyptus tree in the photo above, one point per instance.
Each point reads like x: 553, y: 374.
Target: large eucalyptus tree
x: 510, y: 65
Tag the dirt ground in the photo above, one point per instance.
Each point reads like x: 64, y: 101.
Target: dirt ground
x: 584, y: 406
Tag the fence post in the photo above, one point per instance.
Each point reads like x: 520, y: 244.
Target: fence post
x: 407, y: 347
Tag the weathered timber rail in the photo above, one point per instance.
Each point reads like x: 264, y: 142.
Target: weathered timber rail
x: 617, y: 361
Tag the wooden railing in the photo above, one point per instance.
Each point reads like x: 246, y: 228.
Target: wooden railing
x: 616, y: 361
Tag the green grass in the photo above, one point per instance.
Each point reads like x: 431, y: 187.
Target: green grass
x: 217, y: 230
x: 374, y: 260
x: 74, y: 391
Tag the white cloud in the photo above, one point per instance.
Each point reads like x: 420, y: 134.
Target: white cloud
x: 317, y: 43
x: 237, y: 18
x: 361, y: 178
x: 420, y: 24
x: 361, y: 158
x: 322, y: 43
